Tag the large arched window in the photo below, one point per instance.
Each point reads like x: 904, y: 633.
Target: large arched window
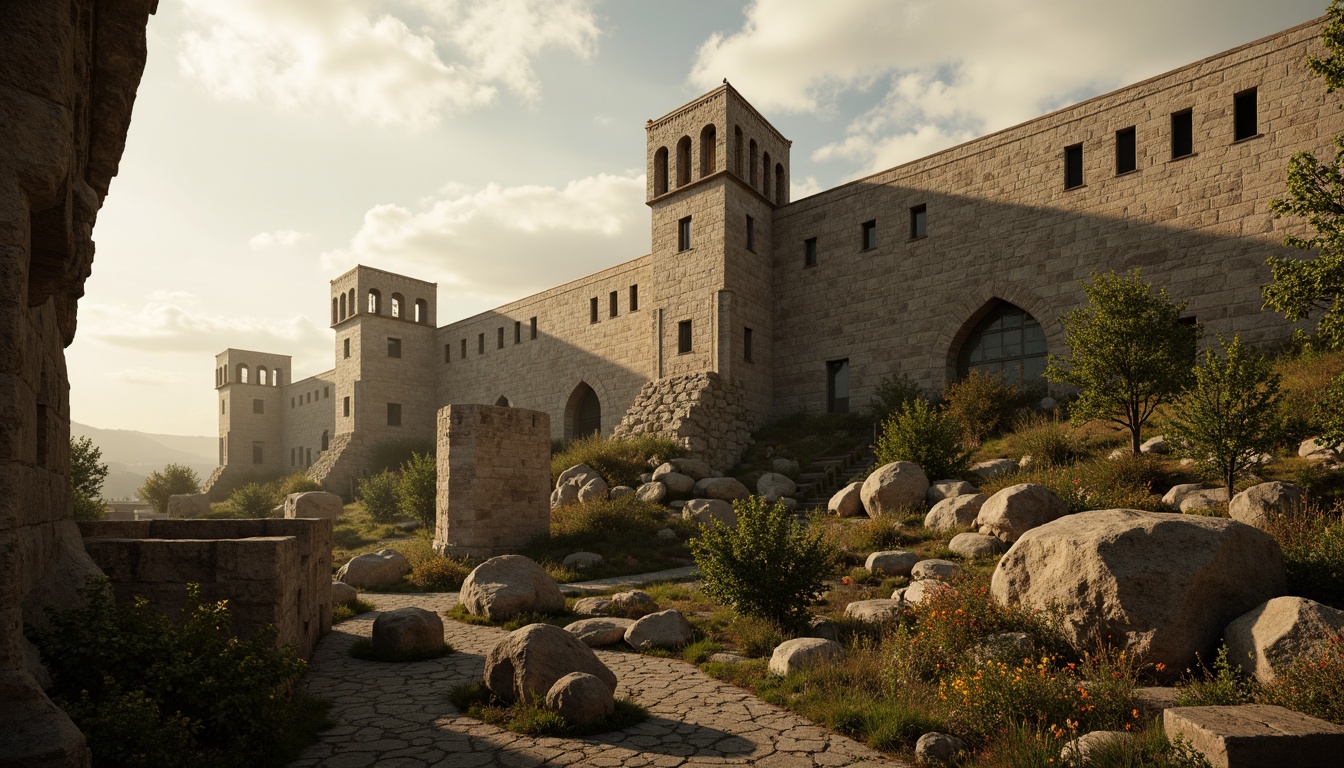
x: 422, y: 311
x: 751, y: 158
x: 1007, y: 342
x: 583, y: 412
x: 660, y: 171
x: 684, y: 161
x: 262, y: 375
x: 342, y: 305
x: 398, y: 305
x: 765, y: 175
x: 242, y: 373
x: 375, y: 301
x: 709, y: 149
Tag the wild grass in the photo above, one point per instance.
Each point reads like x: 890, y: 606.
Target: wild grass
x: 344, y: 612
x: 623, y: 531
x: 530, y: 718
x: 618, y: 461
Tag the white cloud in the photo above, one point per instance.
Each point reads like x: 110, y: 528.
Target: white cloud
x: 360, y: 60
x: 149, y: 376
x: 800, y: 189
x: 943, y: 72
x: 167, y: 327
x: 284, y: 238
x: 500, y: 243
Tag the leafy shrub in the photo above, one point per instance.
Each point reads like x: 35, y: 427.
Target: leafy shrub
x: 919, y: 434
x: 173, y: 480
x: 618, y: 461
x: 1330, y: 414
x: 252, y: 500
x: 981, y: 404
x: 87, y: 473
x: 1049, y: 441
x: 768, y: 565
x: 1312, y: 540
x: 892, y: 395
x: 417, y: 489
x: 295, y: 483
x: 1312, y: 684
x: 601, y: 521
x: 138, y: 684
x: 437, y: 574
x: 388, y: 455
x: 1223, y: 685
x: 378, y: 496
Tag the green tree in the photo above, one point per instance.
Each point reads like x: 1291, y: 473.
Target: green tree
x: 768, y: 565
x: 892, y: 394
x: 1129, y: 352
x: 922, y: 435
x: 1231, y: 413
x: 253, y: 500
x: 87, y: 473
x: 417, y: 489
x: 378, y: 496
x: 1330, y: 413
x: 174, y: 479
x: 1303, y: 287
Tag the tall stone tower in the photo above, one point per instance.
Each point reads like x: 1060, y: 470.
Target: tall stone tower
x: 716, y: 172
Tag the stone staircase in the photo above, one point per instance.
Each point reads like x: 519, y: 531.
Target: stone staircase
x: 824, y: 475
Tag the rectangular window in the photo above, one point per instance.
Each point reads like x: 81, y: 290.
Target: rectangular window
x: 1126, y: 151
x: 258, y: 406
x: 292, y: 460
x: 751, y: 234
x: 394, y: 414
x: 611, y: 304
x: 480, y: 343
x: 684, y: 234
x: 533, y: 322
x: 464, y: 350
x: 919, y: 222
x: 592, y: 310
x: 393, y: 347
x: 326, y: 392
x: 810, y: 252
x: 221, y: 405
x: 869, y: 240
x: 746, y: 344
x: 1073, y: 166
x: 347, y: 349
x: 517, y: 331
x: 499, y: 338
x: 683, y: 337
x: 259, y: 453
x: 345, y: 406
x: 837, y: 386
x: 1245, y: 122
x: 447, y: 352
x: 634, y: 298
x: 1182, y: 133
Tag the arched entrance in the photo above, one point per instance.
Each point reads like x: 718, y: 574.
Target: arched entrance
x: 583, y: 413
x: 1007, y: 342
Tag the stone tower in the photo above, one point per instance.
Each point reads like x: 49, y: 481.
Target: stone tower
x: 251, y: 423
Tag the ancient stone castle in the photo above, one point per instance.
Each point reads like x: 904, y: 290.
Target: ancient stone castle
x: 750, y: 305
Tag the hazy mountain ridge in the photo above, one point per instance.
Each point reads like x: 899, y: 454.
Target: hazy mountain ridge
x: 130, y: 455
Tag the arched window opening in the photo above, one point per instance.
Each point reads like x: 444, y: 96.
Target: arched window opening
x: 242, y: 373
x: 342, y: 305
x: 765, y: 175
x: 737, y: 151
x: 780, y: 186
x: 660, y: 171
x: 262, y: 375
x: 398, y: 304
x: 502, y: 402
x: 709, y: 150
x: 751, y: 158
x: 275, y: 377
x: 354, y: 305
x: 1007, y: 342
x: 333, y: 310
x: 326, y: 440
x: 583, y: 412
x: 375, y: 301
x: 684, y: 161
x: 422, y: 311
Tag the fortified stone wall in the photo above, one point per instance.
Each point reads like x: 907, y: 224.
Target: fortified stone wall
x: 701, y: 411
x: 1001, y: 225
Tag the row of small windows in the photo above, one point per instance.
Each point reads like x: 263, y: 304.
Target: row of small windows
x: 1245, y: 125
x: 265, y: 377
x: 345, y: 305
x: 304, y: 456
x: 307, y: 397
x: 709, y: 164
x: 613, y: 304
x: 499, y: 339
x: 919, y: 229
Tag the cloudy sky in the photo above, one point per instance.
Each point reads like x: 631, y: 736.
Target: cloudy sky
x: 496, y: 147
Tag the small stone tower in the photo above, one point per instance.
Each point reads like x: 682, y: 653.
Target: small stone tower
x: 251, y: 422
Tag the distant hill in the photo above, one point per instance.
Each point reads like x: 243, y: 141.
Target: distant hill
x: 130, y: 455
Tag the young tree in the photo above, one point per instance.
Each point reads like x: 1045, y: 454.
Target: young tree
x: 1302, y: 287
x: 1129, y: 352
x: 174, y: 479
x: 1231, y: 413
x: 417, y: 489
x: 87, y: 473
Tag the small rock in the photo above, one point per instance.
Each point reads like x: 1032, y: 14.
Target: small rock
x: 874, y: 611
x: 593, y: 606
x: 1259, y: 504
x: 824, y: 628
x: 726, y: 658
x: 620, y: 491
x: 632, y: 604
x: 665, y: 629
x: 722, y: 488
x: 938, y: 747
x: 954, y: 512
x: 1088, y: 744
x: 801, y: 652
x: 408, y: 631
x: 894, y: 562
x: 895, y: 488
x: 1026, y: 461
x: 565, y: 495
x: 581, y: 560
x: 594, y: 490
x: 653, y: 492
x: 1315, y: 449
x: 921, y: 590
x: 846, y: 502
x: 1173, y: 497
x: 774, y: 486
x: 581, y: 698
x: 1153, y: 445
x: 947, y: 489
x: 977, y: 545
x: 1206, y: 498
x: 706, y: 511
x: 941, y: 570
x: 666, y: 534
x: 994, y: 468
x: 598, y: 632
x: 343, y: 594
x: 1119, y: 453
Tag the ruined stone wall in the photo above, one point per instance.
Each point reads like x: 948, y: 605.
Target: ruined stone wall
x: 494, y: 480
x: 701, y: 411
x: 1001, y: 225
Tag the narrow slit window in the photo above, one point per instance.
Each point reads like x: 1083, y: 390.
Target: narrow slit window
x: 499, y: 338
x: 751, y: 234
x: 1126, y: 151
x: 1182, y: 133
x: 346, y: 346
x: 869, y: 238
x: 259, y: 453
x: 345, y: 406
x: 746, y: 344
x: 684, y: 234
x: 810, y: 252
x: 683, y: 337
x: 837, y: 386
x: 447, y: 352
x: 394, y: 414
x: 592, y: 310
x: 464, y: 350
x: 480, y: 344
x: 1245, y: 119
x: 919, y: 222
x: 517, y: 331
x: 533, y: 323
x: 393, y: 347
x: 634, y: 298
x: 1073, y: 166
x: 612, y: 301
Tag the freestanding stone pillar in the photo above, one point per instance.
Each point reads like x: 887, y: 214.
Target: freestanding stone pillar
x: 494, y: 467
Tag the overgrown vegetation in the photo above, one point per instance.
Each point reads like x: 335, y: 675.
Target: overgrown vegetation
x: 1127, y: 482
x: 981, y: 404
x: 417, y: 489
x: 623, y: 531
x: 1312, y: 541
x: 343, y: 612
x: 174, y: 479
x: 149, y: 691
x: 920, y: 434
x: 1312, y: 684
x: 252, y: 500
x: 531, y: 719
x: 618, y: 461
x: 378, y: 496
x: 892, y: 394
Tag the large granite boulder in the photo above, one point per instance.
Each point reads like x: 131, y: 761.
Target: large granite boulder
x: 1315, y: 449
x: 941, y: 570
x: 1017, y: 509
x: 677, y: 484
x: 774, y: 486
x: 1177, y: 493
x: 525, y: 663
x: 578, y: 475
x: 182, y: 505
x: 847, y: 502
x: 594, y: 490
x: 724, y: 488
x: 505, y: 586
x: 1278, y: 632
x: 1162, y: 586
x: 664, y: 629
x: 801, y: 652
x: 875, y: 611
x: 1258, y: 504
x: 895, y: 488
x: 891, y: 562
x: 408, y: 632
x: 653, y: 492
x: 580, y: 698
x: 1203, y: 498
x: 955, y: 512
x: 375, y: 570
x: 314, y: 504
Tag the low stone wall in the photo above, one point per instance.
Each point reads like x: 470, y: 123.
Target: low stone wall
x: 699, y: 410
x: 271, y: 571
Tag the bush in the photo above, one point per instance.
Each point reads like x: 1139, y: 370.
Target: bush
x: 417, y: 489
x: 252, y: 500
x: 388, y: 455
x: 295, y: 483
x: 1222, y: 686
x: 615, y: 520
x: 173, y: 480
x: 981, y: 404
x: 1330, y: 414
x: 1308, y: 379
x: 768, y: 565
x: 892, y: 395
x: 140, y: 685
x: 87, y: 473
x: 921, y: 435
x: 1049, y: 441
x: 378, y: 496
x: 1312, y: 541
x: 618, y: 461
x: 437, y: 574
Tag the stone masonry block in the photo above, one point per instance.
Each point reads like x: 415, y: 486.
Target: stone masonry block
x: 1257, y: 735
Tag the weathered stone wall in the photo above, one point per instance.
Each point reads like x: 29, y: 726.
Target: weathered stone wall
x: 494, y: 480
x: 308, y: 413
x: 700, y: 410
x: 271, y: 571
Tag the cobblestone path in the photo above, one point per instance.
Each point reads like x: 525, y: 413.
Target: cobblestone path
x: 398, y: 715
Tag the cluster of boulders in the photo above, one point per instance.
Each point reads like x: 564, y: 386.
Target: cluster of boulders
x: 927, y: 577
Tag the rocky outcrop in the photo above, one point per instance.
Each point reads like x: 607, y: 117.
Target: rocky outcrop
x: 895, y: 488
x: 701, y: 411
x: 1017, y: 509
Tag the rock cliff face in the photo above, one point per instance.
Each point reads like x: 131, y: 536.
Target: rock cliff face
x: 68, y: 76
